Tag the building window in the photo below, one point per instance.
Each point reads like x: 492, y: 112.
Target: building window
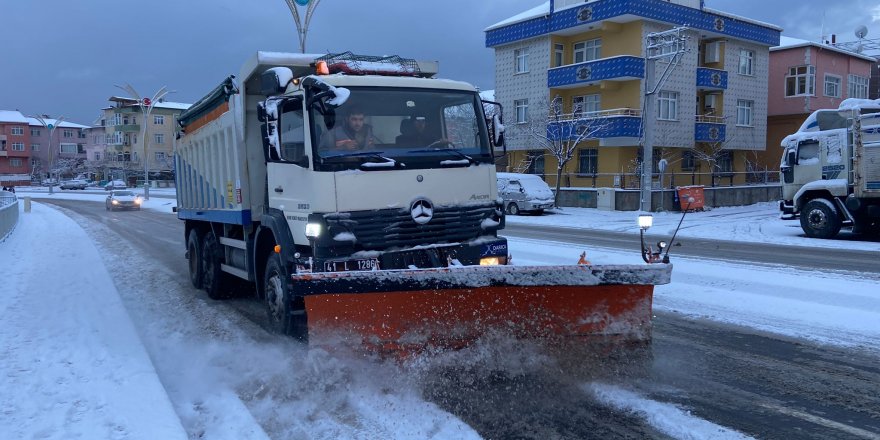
x: 587, y: 50
x: 18, y: 146
x: 15, y: 162
x: 160, y: 156
x: 68, y: 148
x: 746, y: 62
x: 588, y: 161
x: 558, y: 53
x: 159, y: 120
x: 97, y: 156
x: 832, y: 85
x: 35, y: 147
x: 725, y: 162
x: 536, y: 162
x: 744, y: 112
x: 521, y: 57
x: 18, y: 131
x: 160, y: 138
x: 687, y: 160
x: 857, y: 87
x: 68, y: 133
x: 522, y: 110
x: 800, y: 81
x: 35, y: 162
x: 35, y: 132
x: 667, y: 106
x: 586, y: 104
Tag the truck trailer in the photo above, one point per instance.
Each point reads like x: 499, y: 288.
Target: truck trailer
x: 392, y: 245
x: 830, y: 170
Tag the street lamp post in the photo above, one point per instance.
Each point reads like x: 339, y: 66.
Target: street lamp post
x: 50, y: 127
x: 146, y: 105
x: 302, y: 28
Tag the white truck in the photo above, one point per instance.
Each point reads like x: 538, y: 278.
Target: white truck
x: 830, y: 170
x: 397, y: 241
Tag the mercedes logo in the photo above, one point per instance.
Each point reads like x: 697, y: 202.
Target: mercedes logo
x: 422, y: 211
x: 419, y: 178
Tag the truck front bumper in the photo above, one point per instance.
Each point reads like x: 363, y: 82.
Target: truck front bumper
x: 787, y: 209
x: 487, y: 250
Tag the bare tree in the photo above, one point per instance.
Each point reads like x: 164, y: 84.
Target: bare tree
x: 559, y: 134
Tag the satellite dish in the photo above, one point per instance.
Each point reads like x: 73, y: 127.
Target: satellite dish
x: 861, y: 32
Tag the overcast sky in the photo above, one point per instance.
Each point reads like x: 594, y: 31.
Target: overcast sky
x: 63, y: 57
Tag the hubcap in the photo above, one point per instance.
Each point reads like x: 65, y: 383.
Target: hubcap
x: 817, y: 219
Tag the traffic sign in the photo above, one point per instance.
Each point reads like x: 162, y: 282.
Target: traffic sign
x: 50, y: 126
x: 146, y: 101
x: 302, y: 2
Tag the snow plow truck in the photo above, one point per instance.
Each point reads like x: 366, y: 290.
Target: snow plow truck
x: 393, y: 244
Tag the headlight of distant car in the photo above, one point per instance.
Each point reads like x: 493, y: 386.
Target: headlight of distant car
x: 137, y: 201
x: 115, y: 202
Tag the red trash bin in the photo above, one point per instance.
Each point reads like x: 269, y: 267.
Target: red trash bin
x: 686, y: 192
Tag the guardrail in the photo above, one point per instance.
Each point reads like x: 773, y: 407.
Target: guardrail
x: 8, y: 213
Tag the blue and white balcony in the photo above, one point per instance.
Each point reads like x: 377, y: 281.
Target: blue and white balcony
x: 710, y: 129
x: 621, y: 123
x: 711, y: 79
x: 619, y: 68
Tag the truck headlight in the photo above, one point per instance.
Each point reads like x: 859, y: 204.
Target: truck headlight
x: 313, y: 230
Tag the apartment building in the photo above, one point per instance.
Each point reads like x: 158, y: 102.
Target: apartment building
x: 64, y: 152
x: 124, y: 148
x: 806, y: 76
x: 14, y: 154
x: 709, y: 115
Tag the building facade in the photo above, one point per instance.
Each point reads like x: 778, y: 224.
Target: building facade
x: 806, y: 76
x: 123, y: 154
x: 15, y: 137
x: 710, y: 108
x: 62, y: 155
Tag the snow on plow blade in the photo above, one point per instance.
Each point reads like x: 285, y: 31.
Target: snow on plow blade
x: 393, y: 310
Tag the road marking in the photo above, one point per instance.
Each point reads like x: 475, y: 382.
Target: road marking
x: 823, y: 421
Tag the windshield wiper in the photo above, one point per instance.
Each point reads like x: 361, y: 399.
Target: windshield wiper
x: 456, y: 153
x: 386, y: 162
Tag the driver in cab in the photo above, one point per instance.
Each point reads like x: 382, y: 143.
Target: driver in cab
x: 353, y: 135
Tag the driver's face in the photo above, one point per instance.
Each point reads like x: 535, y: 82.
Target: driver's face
x: 356, y: 122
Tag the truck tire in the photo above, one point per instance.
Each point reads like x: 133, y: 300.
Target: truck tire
x: 284, y: 317
x: 512, y: 209
x: 215, y: 282
x: 820, y: 219
x: 194, y: 256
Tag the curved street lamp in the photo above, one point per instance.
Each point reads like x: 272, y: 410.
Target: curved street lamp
x: 146, y: 105
x: 50, y: 127
x: 302, y: 28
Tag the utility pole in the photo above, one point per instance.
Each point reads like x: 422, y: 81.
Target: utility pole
x: 658, y: 45
x: 146, y: 105
x: 50, y: 126
x: 302, y: 28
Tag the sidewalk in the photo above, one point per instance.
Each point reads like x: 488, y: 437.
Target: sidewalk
x: 72, y: 362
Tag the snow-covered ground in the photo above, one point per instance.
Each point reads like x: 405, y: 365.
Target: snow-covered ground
x: 82, y: 356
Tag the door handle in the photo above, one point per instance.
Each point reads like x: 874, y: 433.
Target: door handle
x: 279, y: 189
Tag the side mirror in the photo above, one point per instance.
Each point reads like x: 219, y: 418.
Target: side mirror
x: 274, y: 81
x: 791, y: 157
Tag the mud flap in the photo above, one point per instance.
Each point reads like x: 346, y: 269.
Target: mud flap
x: 451, y: 307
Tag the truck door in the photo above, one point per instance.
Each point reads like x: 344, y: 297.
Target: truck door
x: 288, y: 168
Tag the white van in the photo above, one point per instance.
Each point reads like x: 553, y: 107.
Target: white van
x: 524, y: 193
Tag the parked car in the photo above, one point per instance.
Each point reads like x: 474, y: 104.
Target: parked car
x: 524, y: 193
x: 123, y: 200
x: 115, y: 184
x: 74, y: 184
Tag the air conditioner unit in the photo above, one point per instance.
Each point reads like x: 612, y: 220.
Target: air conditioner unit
x: 710, y: 102
x: 712, y: 53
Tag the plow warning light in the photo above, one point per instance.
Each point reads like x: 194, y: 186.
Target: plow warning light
x: 321, y: 68
x: 646, y: 221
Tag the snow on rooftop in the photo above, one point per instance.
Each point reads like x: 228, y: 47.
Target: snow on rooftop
x: 12, y: 116
x: 792, y: 43
x: 64, y: 124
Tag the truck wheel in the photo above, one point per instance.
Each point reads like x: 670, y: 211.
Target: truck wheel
x: 819, y: 219
x: 285, y: 317
x: 215, y: 282
x: 194, y: 254
x: 512, y: 209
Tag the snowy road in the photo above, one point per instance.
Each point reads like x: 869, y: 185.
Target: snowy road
x: 213, y: 356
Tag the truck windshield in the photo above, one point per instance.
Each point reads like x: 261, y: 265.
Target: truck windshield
x: 421, y: 128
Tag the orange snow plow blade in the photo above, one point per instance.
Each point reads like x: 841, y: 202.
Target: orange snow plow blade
x: 409, y: 310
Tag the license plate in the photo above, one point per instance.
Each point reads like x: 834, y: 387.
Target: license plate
x: 359, y: 264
